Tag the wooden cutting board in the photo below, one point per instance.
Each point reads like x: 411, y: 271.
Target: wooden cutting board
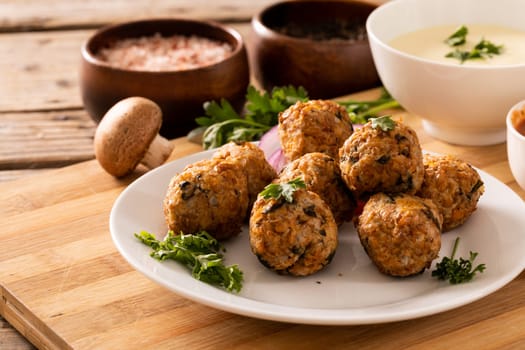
x: 64, y: 285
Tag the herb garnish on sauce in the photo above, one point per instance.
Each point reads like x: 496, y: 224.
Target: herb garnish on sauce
x: 459, y: 37
x: 482, y: 50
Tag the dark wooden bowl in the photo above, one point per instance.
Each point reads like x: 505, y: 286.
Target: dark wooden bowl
x: 180, y: 94
x: 325, y: 68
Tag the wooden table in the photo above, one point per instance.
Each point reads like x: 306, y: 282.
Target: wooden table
x: 64, y: 285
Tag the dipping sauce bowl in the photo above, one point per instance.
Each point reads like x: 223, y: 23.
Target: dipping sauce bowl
x: 458, y: 103
x: 516, y: 142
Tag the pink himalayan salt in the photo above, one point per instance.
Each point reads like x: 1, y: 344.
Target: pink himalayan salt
x: 158, y: 53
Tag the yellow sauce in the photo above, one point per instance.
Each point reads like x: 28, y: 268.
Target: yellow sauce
x: 429, y: 43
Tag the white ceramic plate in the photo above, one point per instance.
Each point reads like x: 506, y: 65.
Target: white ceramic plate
x: 350, y: 290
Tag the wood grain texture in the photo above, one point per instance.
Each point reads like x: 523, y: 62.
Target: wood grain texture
x: 11, y: 339
x: 41, y: 69
x: 76, y: 291
x: 94, y: 13
x: 45, y: 139
x: 53, y: 14
x: 42, y: 121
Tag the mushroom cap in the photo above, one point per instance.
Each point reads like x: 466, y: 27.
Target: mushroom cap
x: 125, y: 133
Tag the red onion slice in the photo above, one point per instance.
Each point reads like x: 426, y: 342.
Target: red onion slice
x: 277, y: 160
x: 270, y: 144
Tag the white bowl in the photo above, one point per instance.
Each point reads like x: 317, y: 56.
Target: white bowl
x: 516, y: 144
x: 460, y: 104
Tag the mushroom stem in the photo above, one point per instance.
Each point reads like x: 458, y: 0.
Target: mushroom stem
x: 157, y: 153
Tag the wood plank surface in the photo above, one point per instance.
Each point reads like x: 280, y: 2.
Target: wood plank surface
x: 64, y: 285
x: 45, y: 139
x: 39, y: 60
x: 42, y: 120
x: 10, y: 339
x: 41, y: 69
x: 53, y: 14
x: 26, y: 15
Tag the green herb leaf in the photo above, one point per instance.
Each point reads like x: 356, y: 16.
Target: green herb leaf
x: 385, y: 123
x: 232, y: 130
x: 216, y: 113
x: 482, y: 50
x: 460, y: 55
x: 284, y: 190
x: 457, y: 271
x: 265, y: 108
x: 487, y: 48
x: 459, y: 37
x: 262, y: 110
x: 361, y: 111
x: 200, y: 253
x: 476, y: 187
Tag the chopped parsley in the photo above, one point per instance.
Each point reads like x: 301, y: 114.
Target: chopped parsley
x: 482, y: 50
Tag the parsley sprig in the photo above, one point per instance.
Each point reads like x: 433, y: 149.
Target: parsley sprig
x: 482, y: 50
x: 361, y: 111
x: 200, y: 253
x: 385, y: 123
x: 457, y: 271
x: 284, y: 190
x: 224, y: 124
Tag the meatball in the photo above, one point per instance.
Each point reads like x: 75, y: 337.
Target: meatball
x: 321, y: 174
x: 258, y: 171
x: 401, y: 233
x: 453, y: 185
x: 313, y: 126
x: 373, y: 160
x: 297, y: 238
x: 207, y: 195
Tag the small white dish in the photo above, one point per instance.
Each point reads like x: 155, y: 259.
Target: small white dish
x: 516, y: 143
x: 350, y: 290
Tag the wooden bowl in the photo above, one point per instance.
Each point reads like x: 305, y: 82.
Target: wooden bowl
x: 324, y: 65
x: 179, y: 93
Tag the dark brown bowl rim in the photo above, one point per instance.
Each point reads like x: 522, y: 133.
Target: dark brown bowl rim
x: 257, y: 22
x: 89, y: 57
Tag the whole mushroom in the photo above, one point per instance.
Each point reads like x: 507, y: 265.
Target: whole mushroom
x: 128, y: 134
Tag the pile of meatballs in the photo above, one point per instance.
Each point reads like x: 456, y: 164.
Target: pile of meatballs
x: 399, y: 199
